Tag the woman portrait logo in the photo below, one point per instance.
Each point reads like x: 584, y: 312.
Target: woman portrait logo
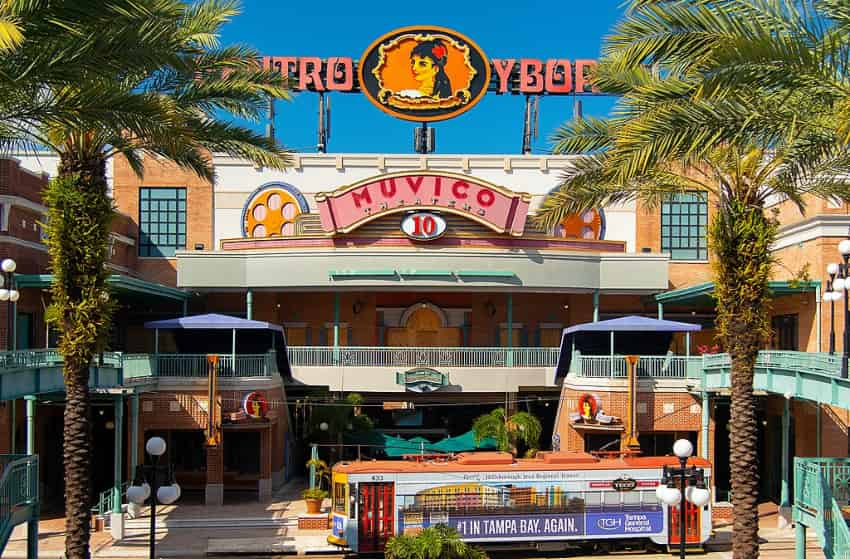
x: 424, y: 73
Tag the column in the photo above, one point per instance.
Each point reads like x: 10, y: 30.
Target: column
x: 509, y: 339
x: 214, y: 494
x: 116, y: 524
x: 706, y: 403
x: 185, y: 307
x: 818, y: 304
x: 134, y: 433
x: 660, y: 311
x: 817, y: 430
x: 596, y: 306
x: 264, y: 487
x: 336, y: 327
x: 249, y: 304
x: 784, y: 498
x: 13, y: 442
x: 799, y: 540
x: 31, y: 403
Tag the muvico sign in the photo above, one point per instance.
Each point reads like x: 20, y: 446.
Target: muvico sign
x: 352, y: 206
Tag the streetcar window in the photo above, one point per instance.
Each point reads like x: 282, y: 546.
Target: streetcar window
x: 339, y: 497
x: 632, y: 497
x: 593, y: 498
x: 352, y: 500
x: 611, y: 499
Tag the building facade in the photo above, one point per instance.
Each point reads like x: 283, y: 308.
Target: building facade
x: 423, y: 284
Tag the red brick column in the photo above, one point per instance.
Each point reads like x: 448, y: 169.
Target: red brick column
x: 215, y: 475
x: 265, y: 483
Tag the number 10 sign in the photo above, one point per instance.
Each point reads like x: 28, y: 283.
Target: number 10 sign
x: 423, y: 226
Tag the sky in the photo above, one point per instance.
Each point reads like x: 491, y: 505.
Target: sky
x: 503, y: 29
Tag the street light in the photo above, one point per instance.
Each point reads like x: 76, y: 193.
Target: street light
x: 691, y: 484
x: 837, y: 286
x: 831, y: 295
x: 10, y: 295
x: 154, y: 482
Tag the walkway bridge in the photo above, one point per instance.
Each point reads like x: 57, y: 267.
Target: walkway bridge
x: 822, y: 503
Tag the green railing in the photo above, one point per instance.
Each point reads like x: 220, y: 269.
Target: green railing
x: 821, y: 491
x: 651, y: 366
x: 822, y: 363
x: 18, y: 492
x: 36, y: 358
x: 365, y: 356
x: 106, y: 500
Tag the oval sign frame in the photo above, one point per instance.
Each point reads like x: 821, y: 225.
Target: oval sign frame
x: 391, y: 88
x: 409, y: 221
x: 259, y: 400
x: 624, y: 484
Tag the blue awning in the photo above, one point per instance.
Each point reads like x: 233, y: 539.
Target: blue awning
x: 633, y: 324
x: 211, y: 322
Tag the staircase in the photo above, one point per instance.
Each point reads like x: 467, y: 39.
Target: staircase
x: 19, y: 498
x: 822, y: 502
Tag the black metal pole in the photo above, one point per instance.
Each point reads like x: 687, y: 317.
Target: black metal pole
x: 153, y: 483
x: 831, y: 315
x: 7, y: 277
x: 844, y: 355
x: 682, y: 504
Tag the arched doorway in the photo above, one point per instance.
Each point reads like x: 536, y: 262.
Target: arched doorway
x: 423, y: 325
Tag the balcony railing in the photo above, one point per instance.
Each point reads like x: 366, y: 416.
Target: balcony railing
x: 37, y: 358
x: 321, y: 356
x: 194, y: 365
x: 822, y: 363
x: 654, y: 366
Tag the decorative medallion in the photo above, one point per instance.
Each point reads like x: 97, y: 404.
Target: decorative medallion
x: 423, y: 226
x: 424, y: 73
x: 271, y: 211
x: 589, y: 225
x: 255, y: 405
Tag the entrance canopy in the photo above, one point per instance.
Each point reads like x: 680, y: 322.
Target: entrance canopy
x: 638, y: 335
x: 217, y: 333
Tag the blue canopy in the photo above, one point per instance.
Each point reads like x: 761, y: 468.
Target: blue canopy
x: 211, y: 322
x: 634, y: 324
x: 648, y: 336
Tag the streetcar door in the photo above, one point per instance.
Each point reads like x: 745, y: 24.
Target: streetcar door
x: 377, y: 512
x: 692, y: 524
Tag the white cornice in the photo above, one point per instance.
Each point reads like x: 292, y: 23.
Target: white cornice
x: 22, y: 243
x: 815, y: 227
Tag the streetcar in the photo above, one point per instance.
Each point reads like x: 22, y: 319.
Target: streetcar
x: 552, y: 502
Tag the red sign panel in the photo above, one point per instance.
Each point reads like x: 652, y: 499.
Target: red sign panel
x: 348, y: 208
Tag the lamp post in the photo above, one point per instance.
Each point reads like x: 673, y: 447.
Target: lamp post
x: 154, y: 482
x: 840, y: 282
x: 832, y: 296
x: 691, y: 486
x: 11, y: 295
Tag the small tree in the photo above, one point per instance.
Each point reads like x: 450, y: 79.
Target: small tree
x: 507, y: 431
x: 436, y: 542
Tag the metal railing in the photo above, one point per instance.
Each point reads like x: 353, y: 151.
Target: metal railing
x: 194, y: 365
x: 822, y: 363
x: 106, y: 500
x: 35, y: 358
x: 821, y: 490
x: 653, y: 366
x: 18, y: 491
x: 321, y: 356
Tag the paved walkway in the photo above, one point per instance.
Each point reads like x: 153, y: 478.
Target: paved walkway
x: 194, y: 531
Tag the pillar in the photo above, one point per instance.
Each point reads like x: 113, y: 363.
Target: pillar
x: 32, y: 533
x: 799, y: 540
x: 134, y: 433
x: 116, y: 521
x: 314, y: 455
x: 817, y: 430
x: 687, y: 344
x: 185, y: 307
x: 214, y: 494
x: 264, y: 488
x: 818, y: 304
x: 249, y: 304
x: 596, y: 306
x: 13, y: 419
x: 509, y: 339
x: 336, y: 327
x: 31, y: 403
x: 784, y: 498
x: 660, y: 311
x: 706, y: 406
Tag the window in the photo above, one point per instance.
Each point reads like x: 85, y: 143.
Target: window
x: 162, y: 221
x: 684, y: 218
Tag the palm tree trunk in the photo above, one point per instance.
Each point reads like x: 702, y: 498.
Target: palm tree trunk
x: 80, y: 213
x: 741, y: 236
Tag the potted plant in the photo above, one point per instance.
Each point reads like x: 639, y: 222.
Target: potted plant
x: 314, y: 496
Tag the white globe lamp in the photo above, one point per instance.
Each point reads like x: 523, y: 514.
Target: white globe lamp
x: 323, y: 426
x: 697, y: 495
x: 838, y: 284
x: 4, y: 294
x: 136, y: 494
x: 155, y: 446
x: 14, y: 295
x: 683, y: 448
x: 671, y: 496
x: 843, y: 248
x: 9, y: 265
x: 832, y: 268
x: 167, y: 494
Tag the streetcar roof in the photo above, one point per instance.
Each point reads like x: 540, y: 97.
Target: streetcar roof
x: 503, y: 461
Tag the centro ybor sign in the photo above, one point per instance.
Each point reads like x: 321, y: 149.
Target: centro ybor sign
x: 351, y: 206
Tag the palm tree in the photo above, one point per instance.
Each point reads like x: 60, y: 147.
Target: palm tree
x: 710, y: 101
x: 437, y: 542
x: 507, y: 431
x: 163, y: 90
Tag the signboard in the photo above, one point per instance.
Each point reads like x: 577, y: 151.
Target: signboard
x: 647, y: 521
x: 422, y: 380
x: 349, y: 207
x: 424, y: 73
x: 423, y: 226
x: 255, y: 405
x: 624, y: 484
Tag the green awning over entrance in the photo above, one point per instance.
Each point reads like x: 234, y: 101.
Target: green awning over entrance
x: 702, y: 294
x: 118, y: 282
x: 396, y: 447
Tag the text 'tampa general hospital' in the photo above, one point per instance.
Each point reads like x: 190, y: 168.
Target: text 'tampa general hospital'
x: 420, y: 281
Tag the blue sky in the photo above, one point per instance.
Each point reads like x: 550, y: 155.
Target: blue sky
x: 503, y: 29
